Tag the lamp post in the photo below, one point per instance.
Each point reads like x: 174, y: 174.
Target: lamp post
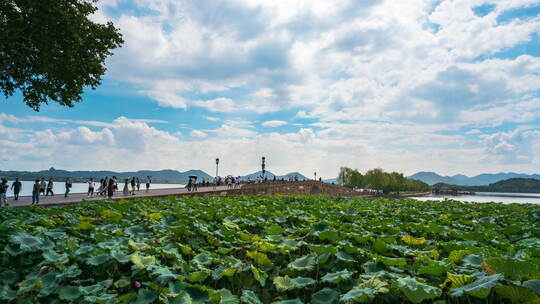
x: 217, y: 164
x: 315, y: 173
x: 263, y: 165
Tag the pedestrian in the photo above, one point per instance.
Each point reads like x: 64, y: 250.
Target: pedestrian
x: 138, y: 184
x: 50, y: 186
x: 3, y: 192
x: 115, y: 183
x: 133, y: 185
x: 68, y: 187
x: 91, y: 186
x: 105, y: 186
x: 16, y: 187
x: 35, y: 192
x: 110, y: 188
x: 42, y: 186
x: 125, y: 191
x: 148, y: 182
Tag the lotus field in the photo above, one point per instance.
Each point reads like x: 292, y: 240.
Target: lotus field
x: 282, y: 249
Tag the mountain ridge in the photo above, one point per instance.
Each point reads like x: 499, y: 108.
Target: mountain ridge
x: 512, y: 185
x: 165, y: 175
x: 483, y: 179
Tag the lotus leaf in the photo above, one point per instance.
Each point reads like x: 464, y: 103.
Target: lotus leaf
x: 344, y: 256
x: 330, y: 235
x: 458, y: 280
x: 226, y: 297
x: 323, y: 249
x: 283, y: 283
x: 199, y: 276
x: 410, y: 240
x: 294, y: 301
x: 52, y: 256
x: 532, y: 285
x: 138, y: 246
x: 336, y: 277
x: 304, y: 263
x: 250, y: 297
x: 259, y: 275
x: 479, y: 288
x: 434, y: 268
x: 142, y: 262
x: 202, y: 259
x: 146, y: 296
x: 325, y: 296
x: 417, y: 291
x: 98, y: 259
x: 366, y: 292
x: 260, y: 258
x: 511, y: 268
x: 265, y: 249
x: 516, y: 294
x: 70, y: 293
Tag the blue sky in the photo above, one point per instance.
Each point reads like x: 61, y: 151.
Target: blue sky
x: 420, y: 85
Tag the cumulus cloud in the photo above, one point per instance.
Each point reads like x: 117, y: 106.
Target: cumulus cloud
x: 295, y: 55
x: 274, y: 123
x: 517, y: 146
x: 405, y: 85
x: 197, y: 134
x: 211, y: 118
x: 217, y: 105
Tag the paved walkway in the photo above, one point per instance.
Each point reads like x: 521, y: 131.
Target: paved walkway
x: 78, y: 197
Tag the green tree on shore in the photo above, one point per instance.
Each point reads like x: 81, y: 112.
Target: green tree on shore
x: 380, y: 180
x: 51, y: 50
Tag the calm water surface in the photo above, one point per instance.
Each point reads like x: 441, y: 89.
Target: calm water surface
x: 487, y: 197
x: 82, y: 187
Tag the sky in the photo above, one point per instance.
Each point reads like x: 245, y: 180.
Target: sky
x: 450, y: 86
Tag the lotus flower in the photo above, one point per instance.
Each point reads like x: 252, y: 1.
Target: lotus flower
x: 137, y: 284
x: 475, y: 221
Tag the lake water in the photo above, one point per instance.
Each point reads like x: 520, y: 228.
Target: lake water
x: 487, y: 197
x: 59, y: 187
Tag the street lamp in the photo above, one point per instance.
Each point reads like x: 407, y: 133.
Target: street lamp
x: 217, y: 164
x: 263, y: 166
x: 315, y: 173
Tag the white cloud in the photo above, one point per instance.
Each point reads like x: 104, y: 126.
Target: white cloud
x: 274, y: 123
x: 231, y: 131
x: 396, y: 84
x: 168, y: 99
x: 197, y: 134
x: 323, y: 148
x: 217, y: 105
x: 295, y: 55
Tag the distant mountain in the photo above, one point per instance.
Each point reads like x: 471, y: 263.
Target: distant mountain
x: 156, y: 176
x: 270, y: 175
x: 331, y: 181
x: 432, y: 178
x: 512, y: 185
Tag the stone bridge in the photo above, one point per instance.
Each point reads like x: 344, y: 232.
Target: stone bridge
x: 286, y: 188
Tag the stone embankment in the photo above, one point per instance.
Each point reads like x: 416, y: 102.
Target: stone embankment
x: 287, y: 188
x: 269, y: 188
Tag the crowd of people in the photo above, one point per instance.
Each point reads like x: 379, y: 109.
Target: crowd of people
x: 107, y: 187
x: 41, y: 187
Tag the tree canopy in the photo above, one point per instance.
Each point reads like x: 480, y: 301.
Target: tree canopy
x: 380, y: 180
x: 51, y: 50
